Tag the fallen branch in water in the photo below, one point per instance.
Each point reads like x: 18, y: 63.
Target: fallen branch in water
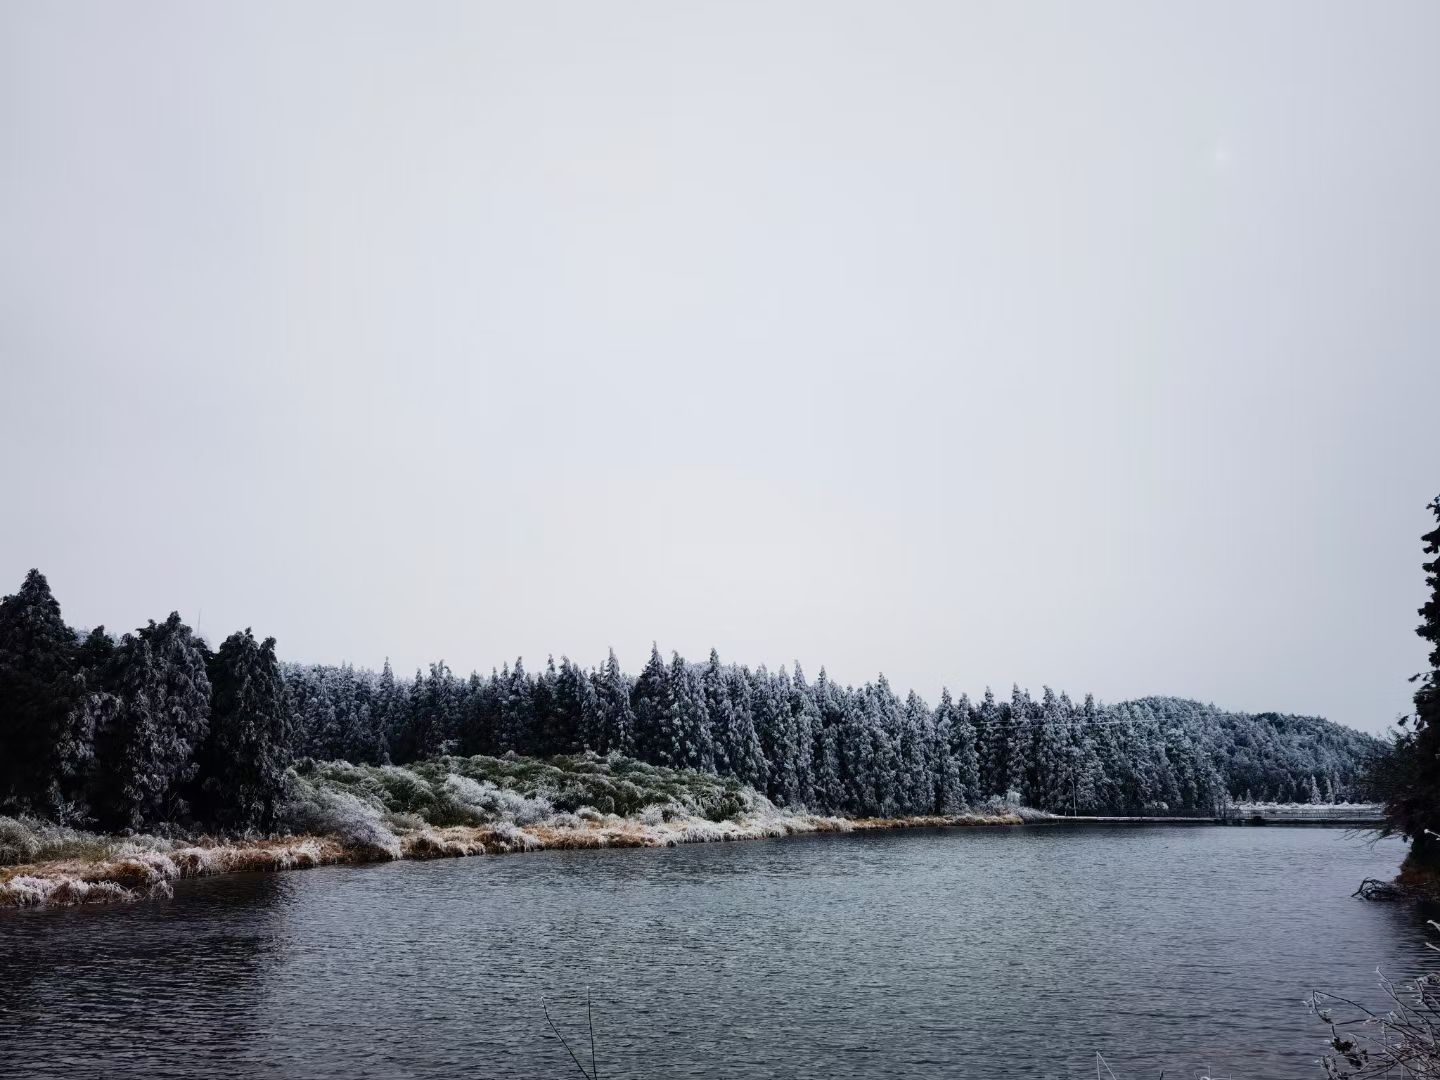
x: 1375, y: 889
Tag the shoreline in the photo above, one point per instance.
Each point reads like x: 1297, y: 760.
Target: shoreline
x: 146, y: 868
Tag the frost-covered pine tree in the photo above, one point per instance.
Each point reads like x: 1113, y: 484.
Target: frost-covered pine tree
x: 390, y: 707
x: 827, y: 759
x: 804, y: 719
x: 1092, y: 788
x: 517, y: 710
x: 546, y: 734
x: 315, y: 717
x: 879, y: 770
x: 687, y: 741
x: 1049, y: 774
x: 615, y: 717
x: 918, y: 762
x: 747, y: 758
x: 244, y: 757
x: 365, y: 731
x: 1014, y: 736
x: 43, y: 734
x: 770, y: 700
x: 956, y: 779
x: 647, y: 701
x: 146, y: 751
x: 573, y: 711
x: 985, y: 719
x: 479, y: 712
x: 433, y: 716
x: 721, y: 711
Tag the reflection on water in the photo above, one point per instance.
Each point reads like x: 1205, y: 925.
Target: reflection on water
x: 995, y: 953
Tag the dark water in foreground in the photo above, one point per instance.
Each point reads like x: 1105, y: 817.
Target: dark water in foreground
x: 960, y: 953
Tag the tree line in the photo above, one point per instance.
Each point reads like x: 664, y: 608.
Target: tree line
x: 155, y: 727
x: 838, y: 749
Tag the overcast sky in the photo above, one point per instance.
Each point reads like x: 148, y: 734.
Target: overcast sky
x: 1091, y: 345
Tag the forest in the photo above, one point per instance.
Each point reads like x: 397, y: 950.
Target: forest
x: 155, y: 728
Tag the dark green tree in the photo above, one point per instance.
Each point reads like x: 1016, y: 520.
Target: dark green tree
x: 614, y: 718
x: 1412, y: 771
x: 572, y: 716
x: 43, y: 736
x: 648, y: 702
x: 243, y: 761
x: 148, y: 740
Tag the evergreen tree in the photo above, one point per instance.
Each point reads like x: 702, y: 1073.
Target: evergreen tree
x: 390, y: 708
x: 573, y: 710
x: 953, y: 727
x: 94, y: 655
x: 146, y: 750
x: 243, y: 762
x: 43, y: 738
x: 647, y: 701
x: 804, y: 719
x: 546, y: 733
x: 827, y: 759
x: 1093, y: 790
x: 878, y: 768
x: 770, y: 702
x: 615, y: 717
x: 985, y: 719
x: 1050, y: 773
x: 919, y: 764
x: 517, y: 710
x: 686, y: 740
x: 1413, y: 769
x: 365, y: 739
x: 432, y: 718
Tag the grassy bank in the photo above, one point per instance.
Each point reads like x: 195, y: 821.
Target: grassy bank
x: 447, y: 807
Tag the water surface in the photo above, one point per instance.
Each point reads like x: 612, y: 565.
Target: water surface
x: 991, y: 953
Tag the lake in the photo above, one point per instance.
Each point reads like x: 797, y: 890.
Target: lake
x: 987, y: 953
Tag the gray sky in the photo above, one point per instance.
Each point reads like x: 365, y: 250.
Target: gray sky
x: 1091, y: 345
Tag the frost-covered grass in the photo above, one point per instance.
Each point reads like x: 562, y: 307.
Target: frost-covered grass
x: 446, y: 807
x: 25, y: 840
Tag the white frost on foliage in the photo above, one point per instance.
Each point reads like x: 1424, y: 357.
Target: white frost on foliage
x: 495, y: 803
x: 352, y: 820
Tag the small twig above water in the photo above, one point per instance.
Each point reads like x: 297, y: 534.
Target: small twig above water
x: 590, y: 1020
x: 546, y: 1009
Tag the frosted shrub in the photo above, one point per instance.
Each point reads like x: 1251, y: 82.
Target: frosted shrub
x: 356, y: 823
x: 491, y: 803
x: 18, y: 842
x: 996, y: 805
x: 404, y: 790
